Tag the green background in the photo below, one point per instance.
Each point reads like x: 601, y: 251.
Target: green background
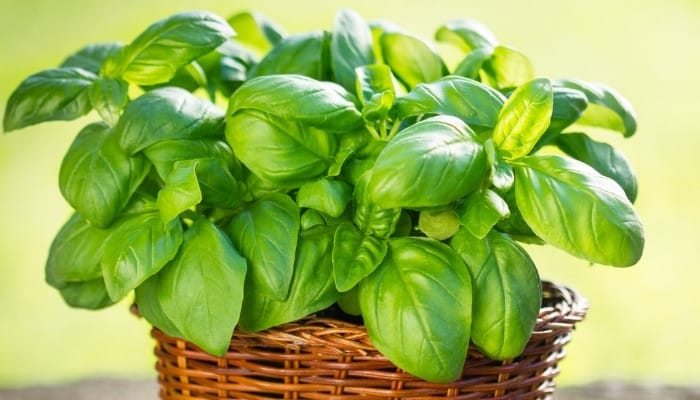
x: 643, y: 324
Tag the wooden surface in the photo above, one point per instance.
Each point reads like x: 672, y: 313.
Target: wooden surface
x: 104, y: 389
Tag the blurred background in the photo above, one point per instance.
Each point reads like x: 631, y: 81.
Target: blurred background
x: 644, y: 322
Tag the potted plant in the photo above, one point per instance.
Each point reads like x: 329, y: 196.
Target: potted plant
x: 237, y: 176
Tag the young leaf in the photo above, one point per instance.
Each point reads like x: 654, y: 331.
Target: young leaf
x: 90, y: 295
x: 312, y: 289
x: 266, y: 234
x: 303, y: 54
x: 420, y: 298
x: 180, y: 192
x: 523, y: 119
x: 439, y: 224
x: 164, y: 114
x: 603, y: 158
x: 441, y: 153
x: 163, y: 155
x: 296, y: 98
x: 201, y: 290
x: 370, y: 218
x: 58, y: 94
x: 412, y: 59
x: 507, y: 68
x: 256, y: 30
x: 507, y: 294
x: 481, y: 211
x: 355, y: 255
x: 91, y: 57
x: 283, y: 152
x: 468, y: 35
x: 573, y: 207
x: 351, y: 47
x: 326, y: 195
x: 168, y: 45
x: 466, y: 99
x: 372, y: 80
x: 606, y: 108
x: 97, y: 178
x: 501, y: 176
x: 109, y: 97
x: 139, y: 246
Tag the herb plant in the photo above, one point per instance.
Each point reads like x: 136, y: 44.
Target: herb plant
x: 240, y: 176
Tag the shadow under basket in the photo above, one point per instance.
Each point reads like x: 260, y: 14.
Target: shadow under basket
x: 324, y: 358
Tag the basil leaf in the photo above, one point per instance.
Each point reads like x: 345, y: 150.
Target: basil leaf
x: 573, y: 207
x: 109, y: 97
x: 467, y: 34
x: 606, y: 109
x: 481, y: 211
x: 441, y: 153
x: 164, y: 114
x: 507, y: 68
x: 471, y: 65
x: 181, y: 190
x: 149, y: 306
x: 351, y: 47
x: 256, y: 30
x: 439, y: 224
x: 326, y: 195
x: 163, y: 155
x: 420, y: 298
x: 97, y: 178
x: 507, y: 293
x: 201, y: 290
x: 412, y: 59
x: 92, y: 57
x: 514, y: 225
x: 569, y: 105
x: 501, y: 176
x: 266, y: 234
x: 523, y: 119
x: 603, y: 158
x: 355, y: 255
x: 91, y: 295
x: 304, y: 54
x: 139, y: 246
x: 370, y: 218
x: 54, y: 94
x: 168, y: 45
x: 324, y: 105
x: 466, y: 99
x: 283, y: 152
x: 312, y: 288
x: 373, y: 79
x: 219, y: 186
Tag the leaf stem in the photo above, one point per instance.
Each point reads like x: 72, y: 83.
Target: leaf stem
x: 374, y: 132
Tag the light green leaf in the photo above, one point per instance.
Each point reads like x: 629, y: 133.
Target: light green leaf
x: 472, y: 64
x: 181, y: 190
x: 355, y: 255
x: 481, y: 211
x: 507, y: 68
x: 149, y: 306
x: 412, y: 59
x: 370, y: 218
x: 351, y: 47
x: 164, y: 154
x: 109, y: 97
x: 329, y: 196
x: 92, y: 56
x: 256, y: 30
x: 304, y: 54
x: 469, y: 35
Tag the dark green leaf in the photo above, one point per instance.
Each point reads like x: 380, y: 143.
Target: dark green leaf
x: 201, y: 290
x: 507, y: 293
x: 304, y: 54
x: 569, y: 105
x: 467, y: 99
x: 420, y: 298
x: 326, y: 195
x: 441, y: 153
x: 507, y: 68
x: 50, y: 95
x: 573, y: 207
x: 523, y: 119
x: 312, y: 289
x: 97, y: 178
x: 355, y: 255
x: 109, y: 97
x: 91, y: 57
x: 412, y: 59
x: 351, y: 47
x: 90, y: 295
x: 468, y: 35
x: 165, y: 114
x: 266, y: 233
x: 481, y: 211
x: 603, y: 158
x: 139, y: 246
x: 256, y: 30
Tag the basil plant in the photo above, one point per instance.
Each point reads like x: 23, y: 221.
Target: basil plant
x: 234, y: 175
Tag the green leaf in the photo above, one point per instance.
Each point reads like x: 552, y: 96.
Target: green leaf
x: 481, y: 211
x: 441, y: 153
x: 523, y: 119
x: 606, y: 109
x: 468, y: 35
x: 514, y: 225
x: 507, y: 293
x: 165, y: 114
x: 283, y: 152
x: 90, y: 295
x: 569, y: 105
x: 355, y: 255
x: 58, y: 94
x: 304, y: 54
x: 312, y: 288
x: 420, y: 298
x: 501, y: 176
x: 149, y: 306
x: 139, y: 246
x: 109, y: 97
x: 603, y: 158
x: 181, y: 190
x: 92, y: 57
x: 97, y: 178
x: 439, y: 224
x: 472, y: 64
x: 351, y: 47
x: 373, y: 79
x: 412, y: 59
x: 507, y: 68
x: 467, y: 99
x: 266, y: 234
x: 168, y: 45
x: 201, y: 290
x: 256, y: 30
x: 370, y: 218
x: 329, y: 196
x: 573, y: 207
x: 164, y: 154
x: 296, y: 98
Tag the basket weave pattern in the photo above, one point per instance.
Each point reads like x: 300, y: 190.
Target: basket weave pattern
x: 321, y: 358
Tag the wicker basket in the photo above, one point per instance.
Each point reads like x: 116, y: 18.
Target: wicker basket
x: 323, y: 358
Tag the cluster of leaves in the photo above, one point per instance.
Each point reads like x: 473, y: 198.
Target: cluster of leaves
x: 240, y: 176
